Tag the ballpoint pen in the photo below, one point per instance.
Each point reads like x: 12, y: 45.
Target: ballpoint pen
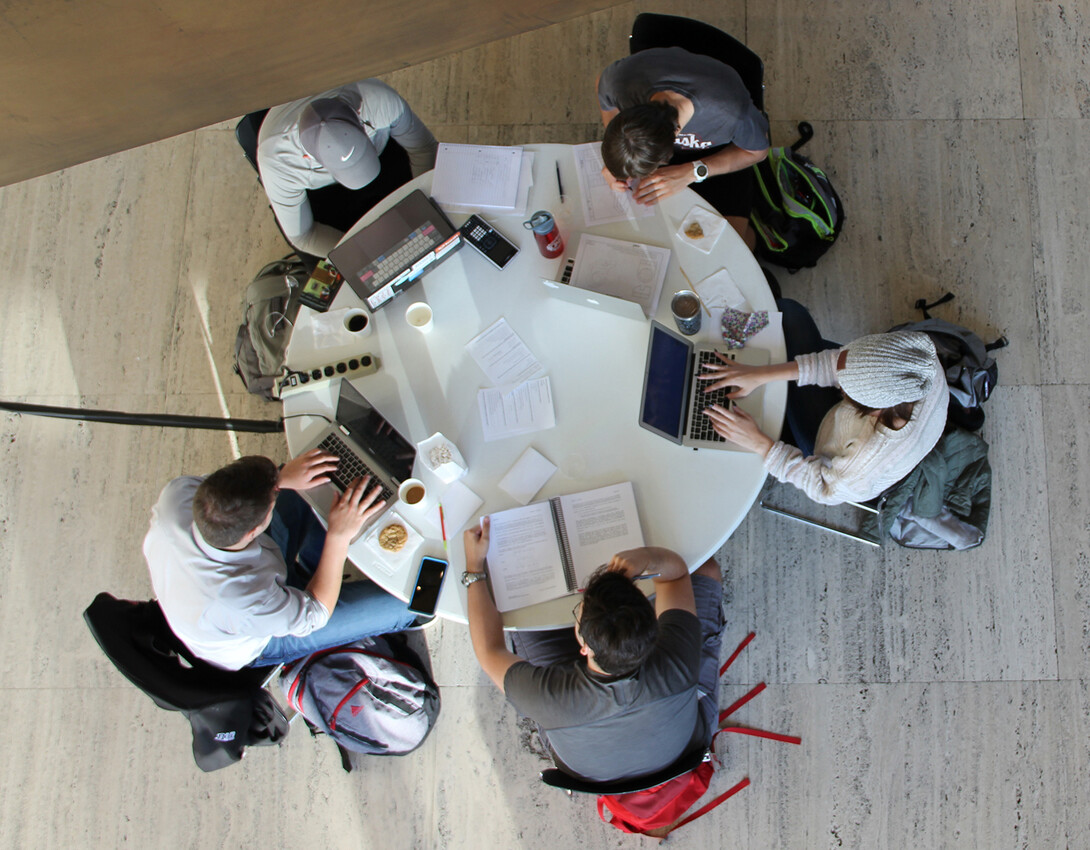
x: 559, y: 185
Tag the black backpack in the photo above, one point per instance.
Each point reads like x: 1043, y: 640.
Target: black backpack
x: 796, y: 212
x: 268, y: 315
x: 372, y: 696
x: 971, y: 371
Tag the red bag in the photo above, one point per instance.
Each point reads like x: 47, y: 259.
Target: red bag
x: 660, y: 810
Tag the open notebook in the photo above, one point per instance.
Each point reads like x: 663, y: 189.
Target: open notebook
x: 548, y: 549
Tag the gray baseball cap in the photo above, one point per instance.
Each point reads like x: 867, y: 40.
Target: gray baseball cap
x: 330, y: 131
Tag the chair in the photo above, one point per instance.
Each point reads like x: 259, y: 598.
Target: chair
x: 557, y: 778
x: 246, y: 133
x: 227, y: 710
x: 652, y: 30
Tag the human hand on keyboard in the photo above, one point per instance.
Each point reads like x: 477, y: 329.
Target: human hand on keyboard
x: 744, y: 379
x: 740, y: 428
x: 307, y: 470
x: 354, y: 508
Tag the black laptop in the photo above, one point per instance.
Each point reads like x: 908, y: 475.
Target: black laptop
x: 389, y: 254
x: 366, y: 444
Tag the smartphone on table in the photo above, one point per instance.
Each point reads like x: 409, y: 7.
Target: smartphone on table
x: 429, y: 581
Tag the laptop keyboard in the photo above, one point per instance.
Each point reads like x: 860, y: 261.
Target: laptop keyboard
x: 350, y: 467
x: 700, y: 426
x: 385, y: 268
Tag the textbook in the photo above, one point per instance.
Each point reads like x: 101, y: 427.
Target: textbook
x: 548, y: 549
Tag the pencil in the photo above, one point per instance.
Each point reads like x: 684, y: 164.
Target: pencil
x: 443, y: 525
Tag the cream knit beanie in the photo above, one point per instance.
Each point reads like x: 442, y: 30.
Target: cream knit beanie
x: 883, y: 370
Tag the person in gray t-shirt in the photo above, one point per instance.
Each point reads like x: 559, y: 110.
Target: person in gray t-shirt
x: 631, y: 688
x: 675, y: 119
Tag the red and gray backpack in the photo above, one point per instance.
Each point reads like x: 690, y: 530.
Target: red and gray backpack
x: 370, y: 697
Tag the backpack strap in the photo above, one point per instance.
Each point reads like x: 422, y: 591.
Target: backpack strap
x: 703, y: 810
x: 923, y: 306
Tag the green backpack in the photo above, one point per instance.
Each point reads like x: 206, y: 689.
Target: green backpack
x: 796, y: 213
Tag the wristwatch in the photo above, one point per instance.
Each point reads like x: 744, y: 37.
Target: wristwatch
x: 700, y: 171
x: 469, y: 578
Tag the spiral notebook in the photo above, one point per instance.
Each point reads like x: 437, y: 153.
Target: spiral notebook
x: 548, y: 549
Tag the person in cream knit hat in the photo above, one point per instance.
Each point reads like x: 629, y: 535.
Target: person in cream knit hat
x: 861, y: 417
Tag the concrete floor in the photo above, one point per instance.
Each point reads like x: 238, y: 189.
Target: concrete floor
x: 943, y: 700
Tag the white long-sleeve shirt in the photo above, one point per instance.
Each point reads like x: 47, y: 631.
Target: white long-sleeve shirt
x: 287, y: 170
x: 856, y: 457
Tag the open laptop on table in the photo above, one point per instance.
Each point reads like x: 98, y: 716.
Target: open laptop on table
x: 389, y: 254
x: 673, y: 398
x: 366, y: 444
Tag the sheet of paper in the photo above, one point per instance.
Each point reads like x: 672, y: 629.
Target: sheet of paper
x: 526, y: 408
x: 477, y: 175
x: 600, y: 523
x: 524, y: 562
x: 627, y: 270
x: 719, y: 290
x: 601, y: 203
x: 522, y: 197
x: 503, y: 356
x: 528, y: 475
x: 460, y: 505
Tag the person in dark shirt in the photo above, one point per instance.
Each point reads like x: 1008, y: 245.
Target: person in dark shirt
x: 632, y: 686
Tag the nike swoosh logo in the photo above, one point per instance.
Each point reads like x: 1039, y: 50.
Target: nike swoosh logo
x: 347, y: 155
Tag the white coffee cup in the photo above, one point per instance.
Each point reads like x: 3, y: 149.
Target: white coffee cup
x: 412, y: 492
x: 419, y: 316
x: 357, y: 322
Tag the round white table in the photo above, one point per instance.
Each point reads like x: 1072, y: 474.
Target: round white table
x: 688, y: 500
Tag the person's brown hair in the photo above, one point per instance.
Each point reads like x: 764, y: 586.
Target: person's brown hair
x: 639, y: 139
x: 235, y: 499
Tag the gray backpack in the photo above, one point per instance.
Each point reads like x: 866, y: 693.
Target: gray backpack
x: 269, y: 310
x: 370, y: 697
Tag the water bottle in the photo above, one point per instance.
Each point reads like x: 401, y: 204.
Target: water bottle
x: 549, y: 241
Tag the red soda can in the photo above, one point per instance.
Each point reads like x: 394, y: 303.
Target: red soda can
x: 549, y: 241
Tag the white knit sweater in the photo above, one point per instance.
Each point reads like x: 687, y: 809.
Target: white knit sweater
x: 855, y: 457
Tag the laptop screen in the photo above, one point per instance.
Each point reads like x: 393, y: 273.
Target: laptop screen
x: 373, y: 432
x: 666, y: 384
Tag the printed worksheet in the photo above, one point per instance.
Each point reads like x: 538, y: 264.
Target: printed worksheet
x: 601, y: 203
x: 503, y: 356
x: 523, y: 409
x: 628, y: 270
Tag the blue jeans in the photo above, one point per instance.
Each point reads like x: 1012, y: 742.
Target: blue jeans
x: 806, y: 406
x: 362, y: 609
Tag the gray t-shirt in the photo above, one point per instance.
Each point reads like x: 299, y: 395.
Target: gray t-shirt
x: 724, y: 112
x: 605, y: 729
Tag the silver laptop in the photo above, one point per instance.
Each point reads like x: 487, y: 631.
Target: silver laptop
x: 366, y: 444
x: 594, y: 300
x: 674, y: 399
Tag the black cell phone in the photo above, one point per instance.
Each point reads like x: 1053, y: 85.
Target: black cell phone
x: 429, y: 581
x: 495, y: 247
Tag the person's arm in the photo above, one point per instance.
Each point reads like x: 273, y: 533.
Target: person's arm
x: 740, y: 428
x: 351, y: 510
x: 485, y: 622
x: 745, y: 379
x: 673, y: 586
x: 670, y: 179
x: 419, y: 143
x: 291, y: 206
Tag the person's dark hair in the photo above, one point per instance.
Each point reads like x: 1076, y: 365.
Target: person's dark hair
x: 888, y: 416
x: 617, y: 622
x: 235, y: 499
x: 639, y: 139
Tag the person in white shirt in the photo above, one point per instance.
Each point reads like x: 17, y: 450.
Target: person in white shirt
x: 247, y: 576
x: 325, y: 160
x: 890, y: 414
